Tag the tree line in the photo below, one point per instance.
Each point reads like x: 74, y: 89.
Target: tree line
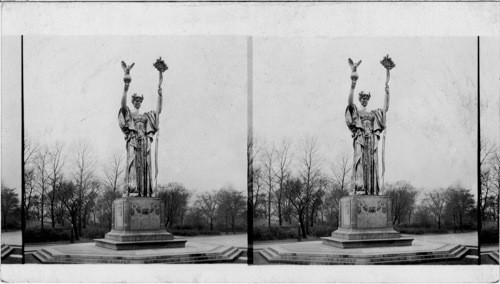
x: 489, y: 162
x: 293, y: 184
x: 68, y: 186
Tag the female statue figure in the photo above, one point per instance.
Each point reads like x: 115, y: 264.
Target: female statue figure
x: 139, y: 129
x: 366, y: 127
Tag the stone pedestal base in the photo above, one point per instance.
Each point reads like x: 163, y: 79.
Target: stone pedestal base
x: 365, y: 221
x: 138, y: 224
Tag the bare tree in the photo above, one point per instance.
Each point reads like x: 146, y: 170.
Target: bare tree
x: 176, y: 197
x: 114, y: 171
x: 56, y: 164
x: 231, y: 205
x: 30, y: 190
x: 317, y: 198
x: 283, y: 159
x: 435, y: 202
x: 460, y: 204
x: 487, y: 175
x: 341, y: 170
x: 402, y: 196
x: 495, y: 198
x: 208, y: 203
x: 253, y: 149
x: 42, y: 167
x: 105, y: 204
x: 30, y: 149
x: 268, y: 160
x: 295, y: 193
x: 332, y: 202
x: 310, y: 172
x: 68, y: 196
x: 85, y: 162
x: 257, y: 185
x: 10, y: 207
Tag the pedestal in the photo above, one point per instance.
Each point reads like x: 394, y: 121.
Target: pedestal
x: 365, y: 221
x: 138, y: 224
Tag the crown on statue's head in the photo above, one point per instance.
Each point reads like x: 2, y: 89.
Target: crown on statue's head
x: 362, y: 94
x: 137, y: 97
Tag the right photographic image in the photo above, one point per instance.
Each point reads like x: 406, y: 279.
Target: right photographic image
x: 489, y: 156
x: 365, y: 151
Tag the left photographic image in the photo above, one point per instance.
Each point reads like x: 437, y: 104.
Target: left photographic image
x: 134, y: 148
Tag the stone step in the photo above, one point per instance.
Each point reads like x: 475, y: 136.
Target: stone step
x: 42, y: 255
x: 241, y: 259
x: 494, y: 255
x: 269, y: 254
x: 460, y: 252
x: 227, y: 255
x: 114, y: 261
x: 244, y: 251
x: 272, y: 255
x: 233, y: 253
x: 357, y: 256
x: 8, y: 250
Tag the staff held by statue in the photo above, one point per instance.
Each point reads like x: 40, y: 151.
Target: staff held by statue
x: 388, y: 65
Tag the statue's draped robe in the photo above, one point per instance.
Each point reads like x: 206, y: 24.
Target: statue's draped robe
x: 139, y: 130
x: 366, y: 128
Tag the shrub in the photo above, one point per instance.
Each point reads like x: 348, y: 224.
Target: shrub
x: 94, y: 232
x: 186, y: 227
x: 274, y: 233
x: 319, y: 230
x: 413, y: 230
x: 489, y: 233
x: 193, y: 232
x: 12, y: 225
x: 47, y: 235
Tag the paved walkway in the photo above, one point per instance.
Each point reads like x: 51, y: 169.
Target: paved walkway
x: 238, y: 240
x: 468, y: 239
x: 11, y: 238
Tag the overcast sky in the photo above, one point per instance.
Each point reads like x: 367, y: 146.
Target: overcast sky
x: 302, y: 85
x: 11, y: 112
x: 490, y: 90
x: 73, y: 88
x: 74, y: 84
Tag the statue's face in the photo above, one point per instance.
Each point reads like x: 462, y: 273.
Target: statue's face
x: 137, y: 104
x: 364, y: 101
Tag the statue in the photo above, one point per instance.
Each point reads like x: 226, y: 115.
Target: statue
x: 365, y: 215
x: 139, y: 129
x: 366, y: 127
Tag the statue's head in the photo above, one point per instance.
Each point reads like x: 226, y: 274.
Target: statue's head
x: 137, y: 100
x: 364, y: 98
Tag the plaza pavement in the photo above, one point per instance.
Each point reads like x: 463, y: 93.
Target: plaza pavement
x: 11, y: 238
x: 237, y: 240
x: 466, y: 239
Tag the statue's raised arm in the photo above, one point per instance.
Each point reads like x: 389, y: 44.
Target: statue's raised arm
x: 161, y: 66
x: 127, y: 79
x: 354, y: 78
x: 388, y: 65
